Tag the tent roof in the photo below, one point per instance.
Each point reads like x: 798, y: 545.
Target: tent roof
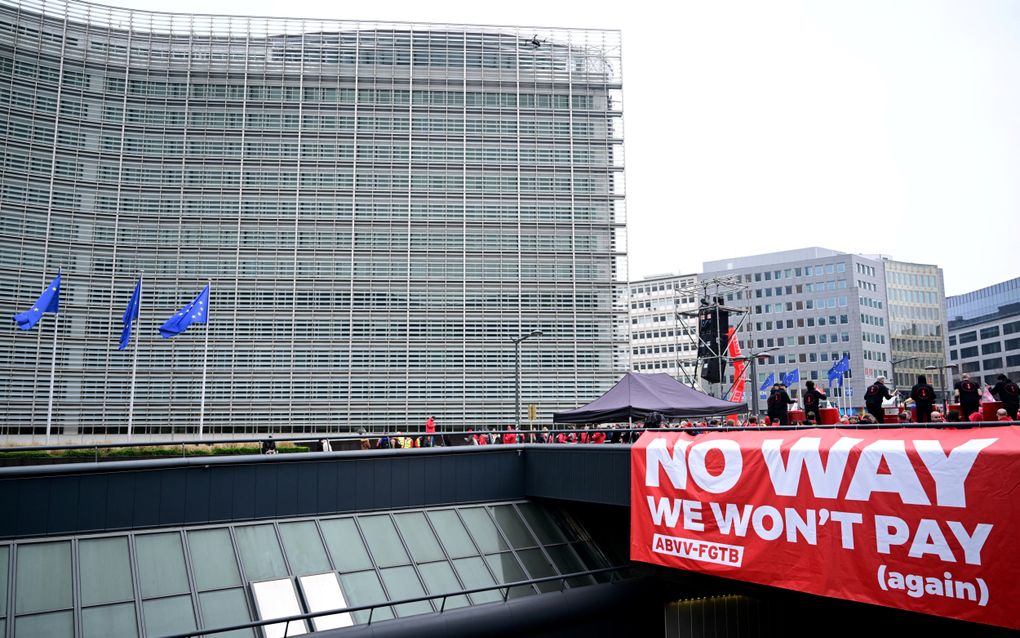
x: 636, y: 395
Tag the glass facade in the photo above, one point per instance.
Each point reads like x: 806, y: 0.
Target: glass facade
x: 984, y: 301
x: 378, y: 209
x: 151, y: 583
x: 917, y: 321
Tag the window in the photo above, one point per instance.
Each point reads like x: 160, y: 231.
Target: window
x: 43, y: 584
x: 991, y: 348
x: 412, y: 552
x: 988, y: 333
x: 968, y: 337
x: 277, y: 599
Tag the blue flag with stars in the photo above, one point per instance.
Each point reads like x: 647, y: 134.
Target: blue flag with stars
x: 792, y: 377
x: 130, y: 314
x: 839, y: 369
x: 49, y: 301
x: 195, y: 312
x: 769, y: 380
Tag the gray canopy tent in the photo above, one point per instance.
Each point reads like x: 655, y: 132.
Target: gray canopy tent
x: 636, y: 395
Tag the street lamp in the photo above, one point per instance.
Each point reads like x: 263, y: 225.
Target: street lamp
x: 942, y: 382
x: 517, y: 377
x: 892, y: 368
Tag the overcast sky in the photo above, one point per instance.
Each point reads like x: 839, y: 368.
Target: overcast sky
x: 872, y: 126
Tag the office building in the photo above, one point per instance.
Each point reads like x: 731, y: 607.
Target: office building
x: 811, y: 307
x: 662, y: 339
x: 378, y: 208
x: 917, y: 322
x: 984, y: 331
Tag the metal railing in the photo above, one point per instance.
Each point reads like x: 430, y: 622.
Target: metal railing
x: 504, y: 587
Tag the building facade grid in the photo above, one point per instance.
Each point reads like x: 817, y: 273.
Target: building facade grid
x: 662, y: 338
x: 378, y: 208
x: 917, y: 322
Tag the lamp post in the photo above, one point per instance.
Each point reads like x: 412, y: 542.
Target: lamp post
x: 942, y: 383
x: 892, y: 369
x: 942, y: 387
x: 517, y: 376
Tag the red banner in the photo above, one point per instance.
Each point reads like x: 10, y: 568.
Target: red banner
x: 737, y: 396
x: 919, y: 519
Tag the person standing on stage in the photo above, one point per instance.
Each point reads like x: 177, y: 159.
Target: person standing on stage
x: 779, y: 404
x: 812, y: 400
x: 1007, y: 392
x: 924, y: 398
x: 873, y: 397
x: 969, y: 394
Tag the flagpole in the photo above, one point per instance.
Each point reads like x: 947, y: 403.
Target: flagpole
x: 205, y: 358
x: 844, y: 399
x: 134, y: 362
x: 53, y: 374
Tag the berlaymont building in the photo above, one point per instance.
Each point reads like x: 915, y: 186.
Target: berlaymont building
x: 380, y: 211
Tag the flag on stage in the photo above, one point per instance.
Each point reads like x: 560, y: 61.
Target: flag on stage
x: 769, y: 381
x: 195, y: 312
x: 739, y: 364
x: 48, y: 301
x: 839, y: 369
x: 130, y: 314
x: 792, y: 377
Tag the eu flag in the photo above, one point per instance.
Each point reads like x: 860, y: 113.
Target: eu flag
x: 130, y: 314
x: 49, y: 301
x: 838, y: 369
x: 792, y: 377
x: 195, y: 312
x: 769, y: 380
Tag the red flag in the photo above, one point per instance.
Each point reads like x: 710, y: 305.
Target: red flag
x: 737, y: 396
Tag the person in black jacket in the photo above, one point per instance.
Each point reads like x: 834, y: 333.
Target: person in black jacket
x: 779, y: 403
x: 1007, y: 392
x: 873, y: 397
x: 812, y: 400
x: 969, y: 394
x: 924, y: 398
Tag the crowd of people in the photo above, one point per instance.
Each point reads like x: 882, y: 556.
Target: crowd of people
x: 967, y: 393
x: 922, y: 400
x: 921, y: 406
